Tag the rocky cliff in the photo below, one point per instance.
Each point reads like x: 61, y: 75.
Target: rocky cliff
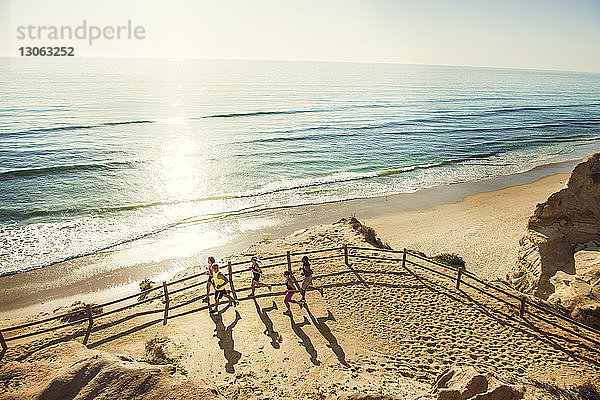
x: 568, y: 219
x: 579, y: 293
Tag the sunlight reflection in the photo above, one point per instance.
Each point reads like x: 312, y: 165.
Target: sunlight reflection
x: 181, y: 173
x: 181, y: 120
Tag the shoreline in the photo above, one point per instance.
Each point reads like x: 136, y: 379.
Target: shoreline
x: 45, y: 289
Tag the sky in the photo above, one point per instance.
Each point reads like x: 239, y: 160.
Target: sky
x: 535, y: 34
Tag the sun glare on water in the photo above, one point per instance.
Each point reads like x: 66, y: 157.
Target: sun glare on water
x: 173, y: 121
x: 179, y: 170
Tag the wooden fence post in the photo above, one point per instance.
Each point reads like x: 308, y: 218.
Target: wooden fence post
x: 231, y: 281
x: 458, y: 276
x: 166, y: 290
x: 404, y: 258
x: 3, y: 342
x: 346, y: 254
x: 522, y: 307
x: 88, y: 311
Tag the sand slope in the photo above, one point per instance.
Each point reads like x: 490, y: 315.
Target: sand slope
x: 70, y: 371
x: 374, y: 328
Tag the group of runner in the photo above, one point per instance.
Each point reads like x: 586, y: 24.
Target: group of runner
x: 218, y: 281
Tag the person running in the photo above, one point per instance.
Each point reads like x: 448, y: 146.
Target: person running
x: 290, y: 290
x: 307, y: 272
x: 209, y: 281
x: 219, y: 282
x: 256, y: 273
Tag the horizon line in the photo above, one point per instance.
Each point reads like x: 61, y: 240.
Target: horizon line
x: 538, y: 69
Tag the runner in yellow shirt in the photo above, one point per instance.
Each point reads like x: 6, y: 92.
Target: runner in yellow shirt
x: 219, y: 281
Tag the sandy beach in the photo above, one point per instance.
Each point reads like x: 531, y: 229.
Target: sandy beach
x: 292, y: 201
x: 483, y: 228
x: 372, y: 329
x: 482, y: 221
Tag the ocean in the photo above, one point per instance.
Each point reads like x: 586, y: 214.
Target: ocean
x: 101, y: 153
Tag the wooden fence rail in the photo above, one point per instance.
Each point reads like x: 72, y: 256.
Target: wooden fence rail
x: 461, y: 276
x: 518, y: 297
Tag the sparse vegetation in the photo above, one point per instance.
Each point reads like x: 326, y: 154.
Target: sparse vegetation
x: 452, y: 259
x: 417, y: 252
x: 146, y: 284
x: 587, y: 391
x: 79, y: 313
x: 371, y: 237
x: 156, y: 354
x: 368, y: 233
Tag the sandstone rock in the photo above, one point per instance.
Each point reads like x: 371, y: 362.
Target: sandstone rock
x: 579, y: 293
x: 465, y: 383
x: 71, y: 371
x: 588, y: 313
x: 587, y: 261
x: 569, y: 290
x: 569, y: 217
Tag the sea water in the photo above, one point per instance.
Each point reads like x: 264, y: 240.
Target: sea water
x: 97, y: 153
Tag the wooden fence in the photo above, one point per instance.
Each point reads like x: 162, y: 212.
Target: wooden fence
x: 405, y: 258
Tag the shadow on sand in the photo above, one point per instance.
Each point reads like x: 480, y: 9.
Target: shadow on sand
x: 508, y: 319
x: 304, y: 339
x: 321, y: 324
x: 557, y: 340
x: 268, y: 323
x: 225, y: 336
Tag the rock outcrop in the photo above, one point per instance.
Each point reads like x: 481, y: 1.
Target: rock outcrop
x: 465, y: 383
x: 587, y: 261
x: 579, y: 293
x: 71, y: 371
x: 568, y: 218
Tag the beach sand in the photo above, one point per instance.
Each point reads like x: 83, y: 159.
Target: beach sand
x: 373, y: 328
x: 484, y: 228
x: 481, y: 221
